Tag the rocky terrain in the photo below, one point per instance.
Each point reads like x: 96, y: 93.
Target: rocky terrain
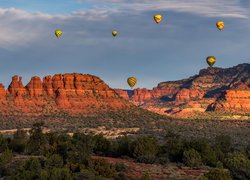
x: 70, y: 93
x: 225, y: 91
x: 218, y: 90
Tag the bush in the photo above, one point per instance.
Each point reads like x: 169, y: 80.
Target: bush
x: 217, y: 174
x: 5, y: 158
x: 33, y: 164
x: 121, y: 176
x: 124, y: 146
x: 145, y: 149
x: 239, y: 165
x: 3, y: 143
x: 145, y: 176
x: 102, y: 145
x: 61, y: 173
x: 37, y: 141
x: 54, y: 161
x: 103, y: 168
x: 224, y: 143
x: 84, y: 174
x: 206, y: 151
x: 19, y: 141
x: 120, y: 167
x: 173, y: 147
x: 192, y: 158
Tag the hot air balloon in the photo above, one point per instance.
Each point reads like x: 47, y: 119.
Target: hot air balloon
x: 58, y: 33
x: 220, y: 25
x: 157, y: 18
x: 211, y: 60
x: 114, y: 33
x: 132, y: 81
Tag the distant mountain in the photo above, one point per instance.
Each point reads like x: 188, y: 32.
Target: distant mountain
x: 213, y: 89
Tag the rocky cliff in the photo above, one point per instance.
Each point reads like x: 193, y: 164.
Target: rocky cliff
x: 71, y: 93
x: 213, y: 89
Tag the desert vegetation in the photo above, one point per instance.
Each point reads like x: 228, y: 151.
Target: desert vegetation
x: 57, y: 155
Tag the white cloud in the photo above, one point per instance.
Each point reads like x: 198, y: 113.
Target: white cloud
x: 20, y: 28
x: 209, y: 8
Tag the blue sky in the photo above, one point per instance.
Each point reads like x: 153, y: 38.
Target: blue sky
x: 174, y: 49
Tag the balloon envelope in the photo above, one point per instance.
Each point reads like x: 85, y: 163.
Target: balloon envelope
x: 211, y: 60
x: 220, y: 25
x: 58, y: 33
x: 132, y: 81
x: 114, y: 33
x: 157, y: 18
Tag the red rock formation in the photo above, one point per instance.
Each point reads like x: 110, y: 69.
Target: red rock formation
x: 142, y: 95
x: 189, y: 94
x: 232, y: 101
x: 73, y: 93
x: 62, y: 100
x: 16, y: 86
x: 47, y: 85
x: 35, y: 87
x: 122, y: 93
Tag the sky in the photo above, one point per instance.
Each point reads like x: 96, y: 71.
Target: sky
x: 174, y: 49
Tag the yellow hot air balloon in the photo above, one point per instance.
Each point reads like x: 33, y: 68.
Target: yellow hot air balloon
x: 58, y: 33
x: 211, y: 60
x: 220, y: 25
x: 114, y: 33
x: 132, y: 81
x: 157, y: 18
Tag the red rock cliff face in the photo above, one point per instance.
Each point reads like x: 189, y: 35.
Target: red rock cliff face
x: 236, y: 100
x: 189, y: 94
x: 74, y: 93
x: 233, y: 101
x: 201, y: 92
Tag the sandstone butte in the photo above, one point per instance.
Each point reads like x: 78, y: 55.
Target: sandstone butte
x: 72, y: 93
x: 213, y: 89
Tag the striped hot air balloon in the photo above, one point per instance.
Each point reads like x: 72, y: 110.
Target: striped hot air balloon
x: 132, y: 81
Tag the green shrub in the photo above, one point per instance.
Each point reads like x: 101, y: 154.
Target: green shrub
x: 217, y: 174
x: 54, y: 161
x: 5, y: 157
x: 239, y: 165
x: 102, y: 145
x: 61, y: 173
x: 192, y: 158
x: 145, y: 149
x: 103, y: 168
x: 124, y: 146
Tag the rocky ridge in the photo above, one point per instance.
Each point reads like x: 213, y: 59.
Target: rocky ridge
x: 213, y: 89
